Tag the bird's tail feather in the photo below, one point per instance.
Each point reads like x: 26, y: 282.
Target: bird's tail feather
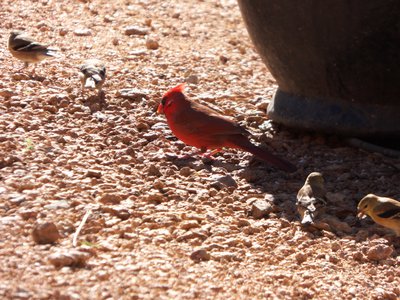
x: 51, y: 52
x: 307, y: 218
x: 96, y: 77
x: 90, y: 83
x: 243, y: 143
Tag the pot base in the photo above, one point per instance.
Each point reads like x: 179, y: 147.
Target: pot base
x: 335, y: 115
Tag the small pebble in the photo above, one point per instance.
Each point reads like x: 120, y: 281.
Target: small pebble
x: 193, y: 79
x: 63, y: 32
x: 152, y: 44
x: 200, y: 255
x: 69, y: 257
x: 260, y: 209
x: 114, y: 198
x: 379, y: 252
x: 45, y: 233
x: 83, y: 32
x: 132, y: 94
x: 134, y: 30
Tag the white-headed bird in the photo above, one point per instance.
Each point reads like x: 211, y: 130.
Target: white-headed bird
x: 93, y: 75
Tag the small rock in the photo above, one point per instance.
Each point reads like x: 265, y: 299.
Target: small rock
x: 150, y: 136
x: 176, y: 15
x: 132, y: 94
x: 379, y: 252
x: 138, y: 52
x: 134, y: 30
x: 58, y: 98
x: 191, y: 235
x: 335, y: 246
x: 102, y: 275
x: 261, y: 208
x: 27, y: 213
x: 380, y: 293
x: 152, y: 44
x: 358, y: 256
x: 114, y: 198
x: 83, y: 32
x: 126, y: 104
x: 63, y: 32
x: 185, y: 33
x: 242, y: 223
x: 45, y: 233
x: 108, y: 19
x: 20, y: 76
x: 200, y: 255
x: 185, y: 171
x: 223, y: 181
x: 117, y: 211
x: 7, y: 93
x: 17, y: 199
x: 153, y: 171
x: 155, y: 198
x: 8, y: 161
x: 193, y: 79
x: 57, y: 204
x: 300, y: 257
x: 22, y: 294
x: 93, y: 173
x: 225, y: 255
x: 189, y: 224
x: 70, y: 258
x: 223, y: 59
x: 10, y: 220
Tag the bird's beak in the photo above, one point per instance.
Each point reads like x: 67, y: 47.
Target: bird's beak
x: 360, y: 214
x: 160, y: 109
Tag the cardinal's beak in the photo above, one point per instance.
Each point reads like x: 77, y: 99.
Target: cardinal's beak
x: 160, y: 109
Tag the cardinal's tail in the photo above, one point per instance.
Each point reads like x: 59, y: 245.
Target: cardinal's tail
x: 243, y: 143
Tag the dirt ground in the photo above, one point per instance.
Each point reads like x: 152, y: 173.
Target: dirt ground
x: 161, y: 227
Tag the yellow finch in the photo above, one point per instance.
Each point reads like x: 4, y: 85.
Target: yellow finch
x: 384, y: 211
x: 311, y: 198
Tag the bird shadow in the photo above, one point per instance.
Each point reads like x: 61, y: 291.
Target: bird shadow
x: 95, y: 102
x: 197, y: 162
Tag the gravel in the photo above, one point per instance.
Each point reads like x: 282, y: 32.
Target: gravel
x: 163, y: 227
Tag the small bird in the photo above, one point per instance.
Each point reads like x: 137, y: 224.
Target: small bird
x: 384, y: 211
x: 93, y: 75
x: 311, y: 199
x: 204, y: 128
x: 28, y: 50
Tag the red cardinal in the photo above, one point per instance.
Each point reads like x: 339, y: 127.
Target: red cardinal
x: 204, y: 128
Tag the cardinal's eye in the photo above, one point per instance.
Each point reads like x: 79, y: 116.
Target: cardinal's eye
x: 365, y: 206
x: 163, y: 100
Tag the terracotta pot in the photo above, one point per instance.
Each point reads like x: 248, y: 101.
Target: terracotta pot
x: 337, y: 62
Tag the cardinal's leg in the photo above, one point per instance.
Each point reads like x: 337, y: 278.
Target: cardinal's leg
x: 213, y: 152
